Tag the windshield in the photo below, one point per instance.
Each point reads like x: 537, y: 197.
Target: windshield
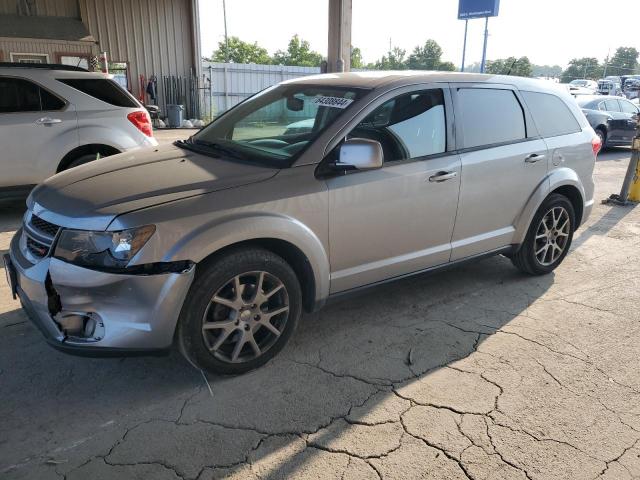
x: 276, y: 125
x: 579, y: 83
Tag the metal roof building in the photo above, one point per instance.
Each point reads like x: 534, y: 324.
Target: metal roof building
x: 140, y: 37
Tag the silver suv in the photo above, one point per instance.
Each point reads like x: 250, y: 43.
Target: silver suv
x: 218, y: 243
x: 54, y: 117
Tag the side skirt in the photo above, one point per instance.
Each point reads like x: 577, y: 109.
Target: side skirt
x: 506, y: 251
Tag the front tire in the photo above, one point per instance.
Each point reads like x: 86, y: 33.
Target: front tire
x: 549, y: 237
x: 240, y: 311
x: 603, y: 137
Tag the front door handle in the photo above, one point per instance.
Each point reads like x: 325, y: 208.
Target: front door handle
x: 48, y: 121
x: 533, y: 158
x: 443, y: 176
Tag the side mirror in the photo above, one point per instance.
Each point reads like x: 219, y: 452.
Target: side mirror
x: 360, y: 154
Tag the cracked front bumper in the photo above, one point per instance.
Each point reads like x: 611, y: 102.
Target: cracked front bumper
x: 134, y: 314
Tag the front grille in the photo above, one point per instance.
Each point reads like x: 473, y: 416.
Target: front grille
x: 37, y: 249
x: 43, y: 226
x: 38, y: 237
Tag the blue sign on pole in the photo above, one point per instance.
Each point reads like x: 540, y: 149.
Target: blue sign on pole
x: 468, y: 9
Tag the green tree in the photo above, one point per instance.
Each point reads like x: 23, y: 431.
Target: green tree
x: 426, y: 57
x: 624, y: 61
x: 552, y: 71
x: 585, y: 67
x: 394, y: 60
x: 298, y: 53
x: 356, y: 58
x: 447, y: 67
x: 240, y: 52
x: 520, y: 67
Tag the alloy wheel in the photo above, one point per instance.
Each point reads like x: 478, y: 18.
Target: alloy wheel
x: 245, y: 317
x: 552, y: 236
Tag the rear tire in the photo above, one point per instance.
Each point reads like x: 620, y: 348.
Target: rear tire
x: 240, y: 311
x: 82, y: 160
x: 549, y: 237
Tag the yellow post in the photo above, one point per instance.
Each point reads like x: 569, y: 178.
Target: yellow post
x: 634, y: 189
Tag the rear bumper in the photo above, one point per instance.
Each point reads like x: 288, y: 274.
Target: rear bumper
x: 122, y: 314
x: 586, y: 212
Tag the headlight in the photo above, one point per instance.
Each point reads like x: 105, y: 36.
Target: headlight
x: 102, y: 249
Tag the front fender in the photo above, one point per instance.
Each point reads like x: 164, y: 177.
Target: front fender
x: 557, y: 178
x: 212, y: 237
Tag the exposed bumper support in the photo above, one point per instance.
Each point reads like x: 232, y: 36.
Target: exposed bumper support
x: 98, y: 313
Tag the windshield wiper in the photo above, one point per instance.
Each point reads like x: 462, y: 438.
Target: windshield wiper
x: 218, y: 147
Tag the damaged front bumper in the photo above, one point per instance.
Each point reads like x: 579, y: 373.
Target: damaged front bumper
x: 88, y: 312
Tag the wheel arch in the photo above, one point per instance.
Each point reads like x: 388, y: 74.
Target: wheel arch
x: 289, y: 252
x: 295, y: 242
x: 562, y: 180
x: 87, y: 149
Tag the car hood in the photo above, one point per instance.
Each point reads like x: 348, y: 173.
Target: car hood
x: 89, y: 197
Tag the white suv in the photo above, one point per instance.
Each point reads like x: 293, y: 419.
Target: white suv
x: 54, y: 117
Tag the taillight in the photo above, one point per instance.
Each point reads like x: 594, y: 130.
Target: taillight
x: 142, y: 122
x: 596, y: 144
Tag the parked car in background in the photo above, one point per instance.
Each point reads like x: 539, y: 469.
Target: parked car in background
x: 614, y: 119
x: 577, y: 91
x: 302, y: 126
x: 609, y: 87
x: 55, y: 117
x: 586, y: 84
x: 632, y: 88
x: 220, y: 242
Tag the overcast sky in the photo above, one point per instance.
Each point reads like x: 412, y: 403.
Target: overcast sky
x: 547, y: 31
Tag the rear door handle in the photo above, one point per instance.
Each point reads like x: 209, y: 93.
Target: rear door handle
x: 48, y: 121
x: 443, y: 176
x: 533, y: 158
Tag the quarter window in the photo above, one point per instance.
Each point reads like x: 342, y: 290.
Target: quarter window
x: 551, y: 114
x: 103, y: 89
x: 490, y: 116
x: 408, y: 126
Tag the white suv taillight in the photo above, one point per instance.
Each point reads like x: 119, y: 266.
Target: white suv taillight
x: 596, y: 144
x: 141, y: 121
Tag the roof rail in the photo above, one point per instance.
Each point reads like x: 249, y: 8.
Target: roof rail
x: 42, y: 66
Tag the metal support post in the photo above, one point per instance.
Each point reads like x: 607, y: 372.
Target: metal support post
x: 464, y: 47
x: 484, y: 48
x: 630, y: 192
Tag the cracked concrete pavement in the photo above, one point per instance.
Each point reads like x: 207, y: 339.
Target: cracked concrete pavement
x: 475, y: 373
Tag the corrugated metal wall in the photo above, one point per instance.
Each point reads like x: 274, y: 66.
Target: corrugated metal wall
x: 153, y: 36
x: 50, y: 47
x: 233, y: 82
x: 49, y: 8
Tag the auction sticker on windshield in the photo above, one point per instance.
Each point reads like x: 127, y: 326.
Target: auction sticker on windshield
x: 335, y: 102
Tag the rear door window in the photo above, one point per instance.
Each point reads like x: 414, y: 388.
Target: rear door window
x: 18, y: 95
x: 490, y: 116
x: 21, y: 95
x: 551, y: 114
x: 50, y: 102
x: 611, y: 106
x: 628, y: 107
x: 103, y: 89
